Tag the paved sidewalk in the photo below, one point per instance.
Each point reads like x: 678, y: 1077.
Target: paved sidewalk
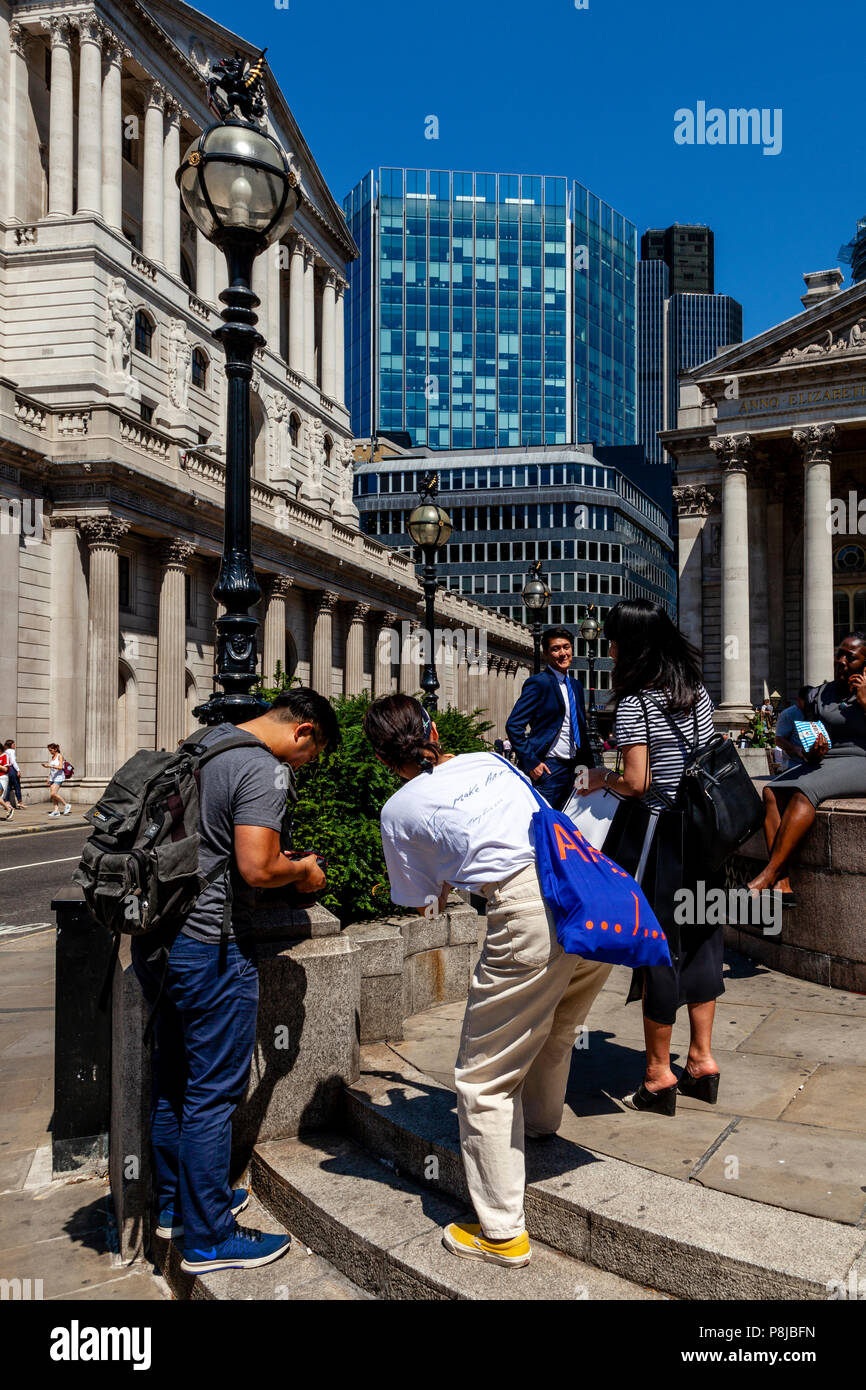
x: 59, y: 1233
x: 35, y: 816
x: 790, y: 1126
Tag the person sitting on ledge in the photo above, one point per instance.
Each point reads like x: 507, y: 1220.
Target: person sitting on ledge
x: 831, y: 769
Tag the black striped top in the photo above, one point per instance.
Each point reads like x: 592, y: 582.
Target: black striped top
x: 667, y: 752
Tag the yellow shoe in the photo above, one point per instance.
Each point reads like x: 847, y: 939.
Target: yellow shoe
x: 466, y: 1240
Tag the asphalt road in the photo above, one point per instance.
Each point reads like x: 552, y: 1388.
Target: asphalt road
x: 33, y: 869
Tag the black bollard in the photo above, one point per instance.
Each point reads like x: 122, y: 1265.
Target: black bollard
x: 82, y: 1039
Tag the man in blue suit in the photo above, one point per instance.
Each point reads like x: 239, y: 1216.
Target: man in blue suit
x: 547, y: 726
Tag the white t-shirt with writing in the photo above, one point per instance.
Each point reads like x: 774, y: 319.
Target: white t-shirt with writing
x: 466, y: 823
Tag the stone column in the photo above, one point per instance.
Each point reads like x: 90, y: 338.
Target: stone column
x: 732, y: 452
x: 103, y: 535
x: 323, y: 656
x: 410, y: 675
x: 383, y: 664
x: 153, y: 177
x: 355, y: 649
x: 90, y: 115
x: 693, y: 505
x: 759, y: 598
x: 463, y: 685
x: 329, y: 336
x: 275, y: 299
x: 778, y: 492
x: 274, y: 641
x: 340, y: 391
x: 171, y: 193
x: 206, y: 267
x: 816, y: 443
x: 171, y: 648
x: 262, y: 288
x: 297, y: 356
x: 510, y: 690
x: 494, y: 712
x: 19, y: 124
x: 60, y: 121
x: 112, y: 133
x: 309, y: 313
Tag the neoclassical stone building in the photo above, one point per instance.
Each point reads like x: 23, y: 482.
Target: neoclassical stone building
x: 112, y: 412
x: 770, y: 451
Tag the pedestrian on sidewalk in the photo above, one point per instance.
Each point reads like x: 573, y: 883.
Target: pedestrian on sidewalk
x: 464, y: 822
x: 205, y: 1024
x: 14, y: 772
x: 5, y: 769
x: 547, y: 726
x: 56, y: 778
x: 662, y: 708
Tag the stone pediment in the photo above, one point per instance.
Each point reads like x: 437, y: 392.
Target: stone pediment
x: 826, y: 335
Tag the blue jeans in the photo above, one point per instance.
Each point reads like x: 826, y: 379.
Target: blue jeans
x: 204, y: 1035
x: 557, y: 784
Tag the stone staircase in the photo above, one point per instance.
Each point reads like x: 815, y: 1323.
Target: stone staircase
x: 366, y: 1205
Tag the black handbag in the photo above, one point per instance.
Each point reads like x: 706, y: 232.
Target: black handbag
x: 720, y: 804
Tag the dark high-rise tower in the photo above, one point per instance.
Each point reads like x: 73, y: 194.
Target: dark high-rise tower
x: 687, y: 251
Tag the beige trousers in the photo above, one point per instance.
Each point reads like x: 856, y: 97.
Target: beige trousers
x: 526, y: 1003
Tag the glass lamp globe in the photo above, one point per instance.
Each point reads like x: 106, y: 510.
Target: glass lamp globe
x: 536, y: 594
x: 589, y: 629
x: 236, y: 179
x: 429, y: 526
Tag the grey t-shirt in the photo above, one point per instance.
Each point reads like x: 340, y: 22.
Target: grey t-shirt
x: 244, y: 786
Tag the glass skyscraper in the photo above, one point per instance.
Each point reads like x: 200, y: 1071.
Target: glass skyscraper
x: 675, y: 333
x: 489, y: 311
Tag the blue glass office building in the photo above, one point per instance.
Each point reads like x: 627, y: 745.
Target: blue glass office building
x: 489, y: 311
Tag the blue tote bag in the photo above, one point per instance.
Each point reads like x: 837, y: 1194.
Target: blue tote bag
x: 599, y: 909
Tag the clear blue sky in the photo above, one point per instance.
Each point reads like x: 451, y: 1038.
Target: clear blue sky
x: 541, y: 87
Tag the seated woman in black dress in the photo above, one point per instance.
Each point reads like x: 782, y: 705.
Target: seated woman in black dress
x: 837, y: 769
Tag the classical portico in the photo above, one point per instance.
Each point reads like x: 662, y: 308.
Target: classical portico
x: 770, y: 448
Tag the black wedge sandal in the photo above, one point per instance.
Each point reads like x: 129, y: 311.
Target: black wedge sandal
x: 662, y: 1102
x: 704, y: 1088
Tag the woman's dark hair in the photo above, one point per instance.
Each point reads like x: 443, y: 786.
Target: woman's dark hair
x: 652, y: 653
x: 49, y: 746
x: 399, y: 729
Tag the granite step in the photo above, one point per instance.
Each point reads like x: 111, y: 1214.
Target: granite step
x: 687, y: 1240
x: 384, y: 1232
x: 300, y: 1276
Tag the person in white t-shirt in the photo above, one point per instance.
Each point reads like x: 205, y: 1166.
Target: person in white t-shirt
x: 464, y: 822
x: 56, y: 778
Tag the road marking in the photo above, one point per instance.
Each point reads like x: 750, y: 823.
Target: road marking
x: 11, y: 930
x: 40, y: 863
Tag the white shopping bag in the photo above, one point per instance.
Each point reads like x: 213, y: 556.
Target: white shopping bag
x: 593, y: 813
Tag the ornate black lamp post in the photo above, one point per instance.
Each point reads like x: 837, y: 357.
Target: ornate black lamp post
x: 237, y: 187
x: 589, y: 630
x: 429, y: 525
x: 536, y: 597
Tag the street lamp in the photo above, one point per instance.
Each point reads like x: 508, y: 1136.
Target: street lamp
x: 536, y: 597
x: 589, y: 630
x: 237, y: 187
x: 429, y: 525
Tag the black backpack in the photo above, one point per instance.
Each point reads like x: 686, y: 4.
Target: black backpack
x: 720, y: 805
x: 139, y: 869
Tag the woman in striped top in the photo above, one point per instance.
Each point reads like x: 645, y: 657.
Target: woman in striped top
x: 663, y: 710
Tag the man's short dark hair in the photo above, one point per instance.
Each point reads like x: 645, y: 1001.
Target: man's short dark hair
x: 803, y: 692
x: 551, y: 634
x: 304, y: 706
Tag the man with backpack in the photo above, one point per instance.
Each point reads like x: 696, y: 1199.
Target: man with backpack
x: 206, y: 991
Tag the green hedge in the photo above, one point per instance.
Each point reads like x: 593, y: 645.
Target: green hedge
x: 340, y: 798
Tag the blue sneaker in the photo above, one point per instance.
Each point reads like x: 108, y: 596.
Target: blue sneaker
x: 243, y: 1249
x: 171, y: 1229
